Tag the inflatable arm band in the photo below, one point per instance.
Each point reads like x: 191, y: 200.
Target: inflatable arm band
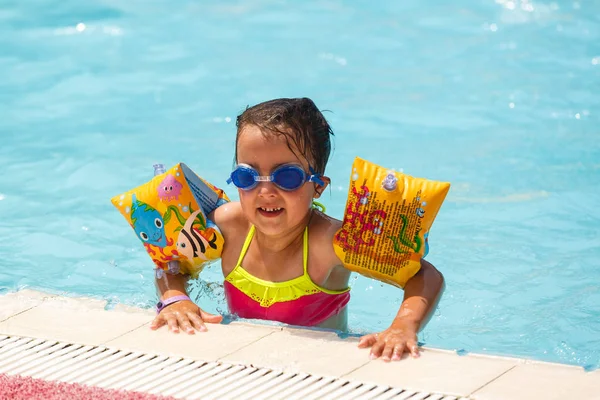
x: 386, y: 222
x: 169, y: 215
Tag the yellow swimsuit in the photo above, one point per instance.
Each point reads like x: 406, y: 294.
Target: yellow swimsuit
x: 298, y: 301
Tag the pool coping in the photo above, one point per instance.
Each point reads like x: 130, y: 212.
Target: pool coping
x: 474, y: 376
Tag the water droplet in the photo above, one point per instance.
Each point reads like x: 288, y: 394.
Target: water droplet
x: 527, y: 7
x: 2, y: 197
x: 85, y: 228
x: 127, y: 209
x: 577, y: 116
x: 511, y: 105
x: 596, y: 60
x: 493, y: 27
x: 80, y: 27
x: 227, y: 119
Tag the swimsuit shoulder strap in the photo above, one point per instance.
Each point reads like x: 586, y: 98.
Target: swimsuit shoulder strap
x: 305, y: 251
x: 246, y: 245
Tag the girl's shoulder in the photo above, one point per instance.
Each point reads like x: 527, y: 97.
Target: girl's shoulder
x: 322, y: 230
x: 324, y: 226
x: 325, y: 268
x: 229, y: 217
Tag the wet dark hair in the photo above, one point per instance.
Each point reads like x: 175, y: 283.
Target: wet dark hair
x: 298, y: 120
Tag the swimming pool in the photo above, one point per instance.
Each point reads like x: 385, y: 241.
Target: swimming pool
x: 497, y: 97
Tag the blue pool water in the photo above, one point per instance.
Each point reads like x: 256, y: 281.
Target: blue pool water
x: 498, y: 97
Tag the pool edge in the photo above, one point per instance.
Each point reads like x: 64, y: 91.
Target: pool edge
x: 31, y: 313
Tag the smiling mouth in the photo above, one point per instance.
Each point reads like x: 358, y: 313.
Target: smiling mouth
x: 269, y: 209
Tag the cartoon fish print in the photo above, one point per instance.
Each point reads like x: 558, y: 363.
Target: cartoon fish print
x: 169, y: 188
x: 147, y: 222
x: 191, y: 243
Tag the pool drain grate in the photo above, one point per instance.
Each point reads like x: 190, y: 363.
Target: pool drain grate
x: 179, y: 377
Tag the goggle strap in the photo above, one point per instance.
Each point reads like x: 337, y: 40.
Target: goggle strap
x: 316, y: 179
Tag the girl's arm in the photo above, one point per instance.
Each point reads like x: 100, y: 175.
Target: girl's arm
x: 184, y: 315
x: 421, y: 295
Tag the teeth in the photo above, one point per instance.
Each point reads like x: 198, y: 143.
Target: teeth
x: 270, y: 209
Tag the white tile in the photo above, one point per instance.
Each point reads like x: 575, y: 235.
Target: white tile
x: 303, y: 350
x: 17, y: 302
x: 77, y: 320
x: 217, y: 342
x: 436, y: 371
x: 543, y: 381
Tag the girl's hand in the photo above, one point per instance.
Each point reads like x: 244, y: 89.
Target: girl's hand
x: 393, y: 342
x: 184, y: 315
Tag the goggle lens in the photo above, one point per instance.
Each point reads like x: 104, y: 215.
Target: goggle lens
x: 289, y: 178
x: 243, y: 178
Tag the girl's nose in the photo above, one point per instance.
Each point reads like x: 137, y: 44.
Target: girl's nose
x: 266, y: 189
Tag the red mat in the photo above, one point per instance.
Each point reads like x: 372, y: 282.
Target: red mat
x: 22, y: 387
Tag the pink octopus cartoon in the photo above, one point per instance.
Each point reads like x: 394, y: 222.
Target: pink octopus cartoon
x: 169, y: 188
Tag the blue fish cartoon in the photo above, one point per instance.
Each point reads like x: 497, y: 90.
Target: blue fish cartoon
x: 147, y: 223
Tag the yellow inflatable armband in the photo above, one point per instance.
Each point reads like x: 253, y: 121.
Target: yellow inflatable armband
x: 169, y: 215
x: 386, y: 222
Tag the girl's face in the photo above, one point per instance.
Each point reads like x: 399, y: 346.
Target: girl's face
x: 272, y: 210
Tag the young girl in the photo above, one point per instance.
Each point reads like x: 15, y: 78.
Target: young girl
x: 278, y: 259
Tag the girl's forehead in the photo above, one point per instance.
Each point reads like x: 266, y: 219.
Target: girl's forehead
x: 256, y: 147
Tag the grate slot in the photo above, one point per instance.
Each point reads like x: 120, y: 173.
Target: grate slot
x: 291, y: 386
x: 217, y: 382
x: 131, y: 373
x: 352, y: 386
x: 22, y: 355
x: 194, y: 377
x: 162, y: 381
x: 160, y: 374
x: 397, y: 394
x: 319, y: 393
x: 302, y: 392
x: 52, y: 360
x: 79, y: 365
x: 271, y: 381
x: 244, y: 384
x: 119, y: 368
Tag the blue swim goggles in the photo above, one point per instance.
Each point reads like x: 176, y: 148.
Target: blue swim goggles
x: 287, y: 177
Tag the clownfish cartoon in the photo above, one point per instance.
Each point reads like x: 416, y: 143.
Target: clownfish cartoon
x: 191, y: 243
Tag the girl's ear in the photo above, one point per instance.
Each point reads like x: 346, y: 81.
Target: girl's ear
x: 319, y: 189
